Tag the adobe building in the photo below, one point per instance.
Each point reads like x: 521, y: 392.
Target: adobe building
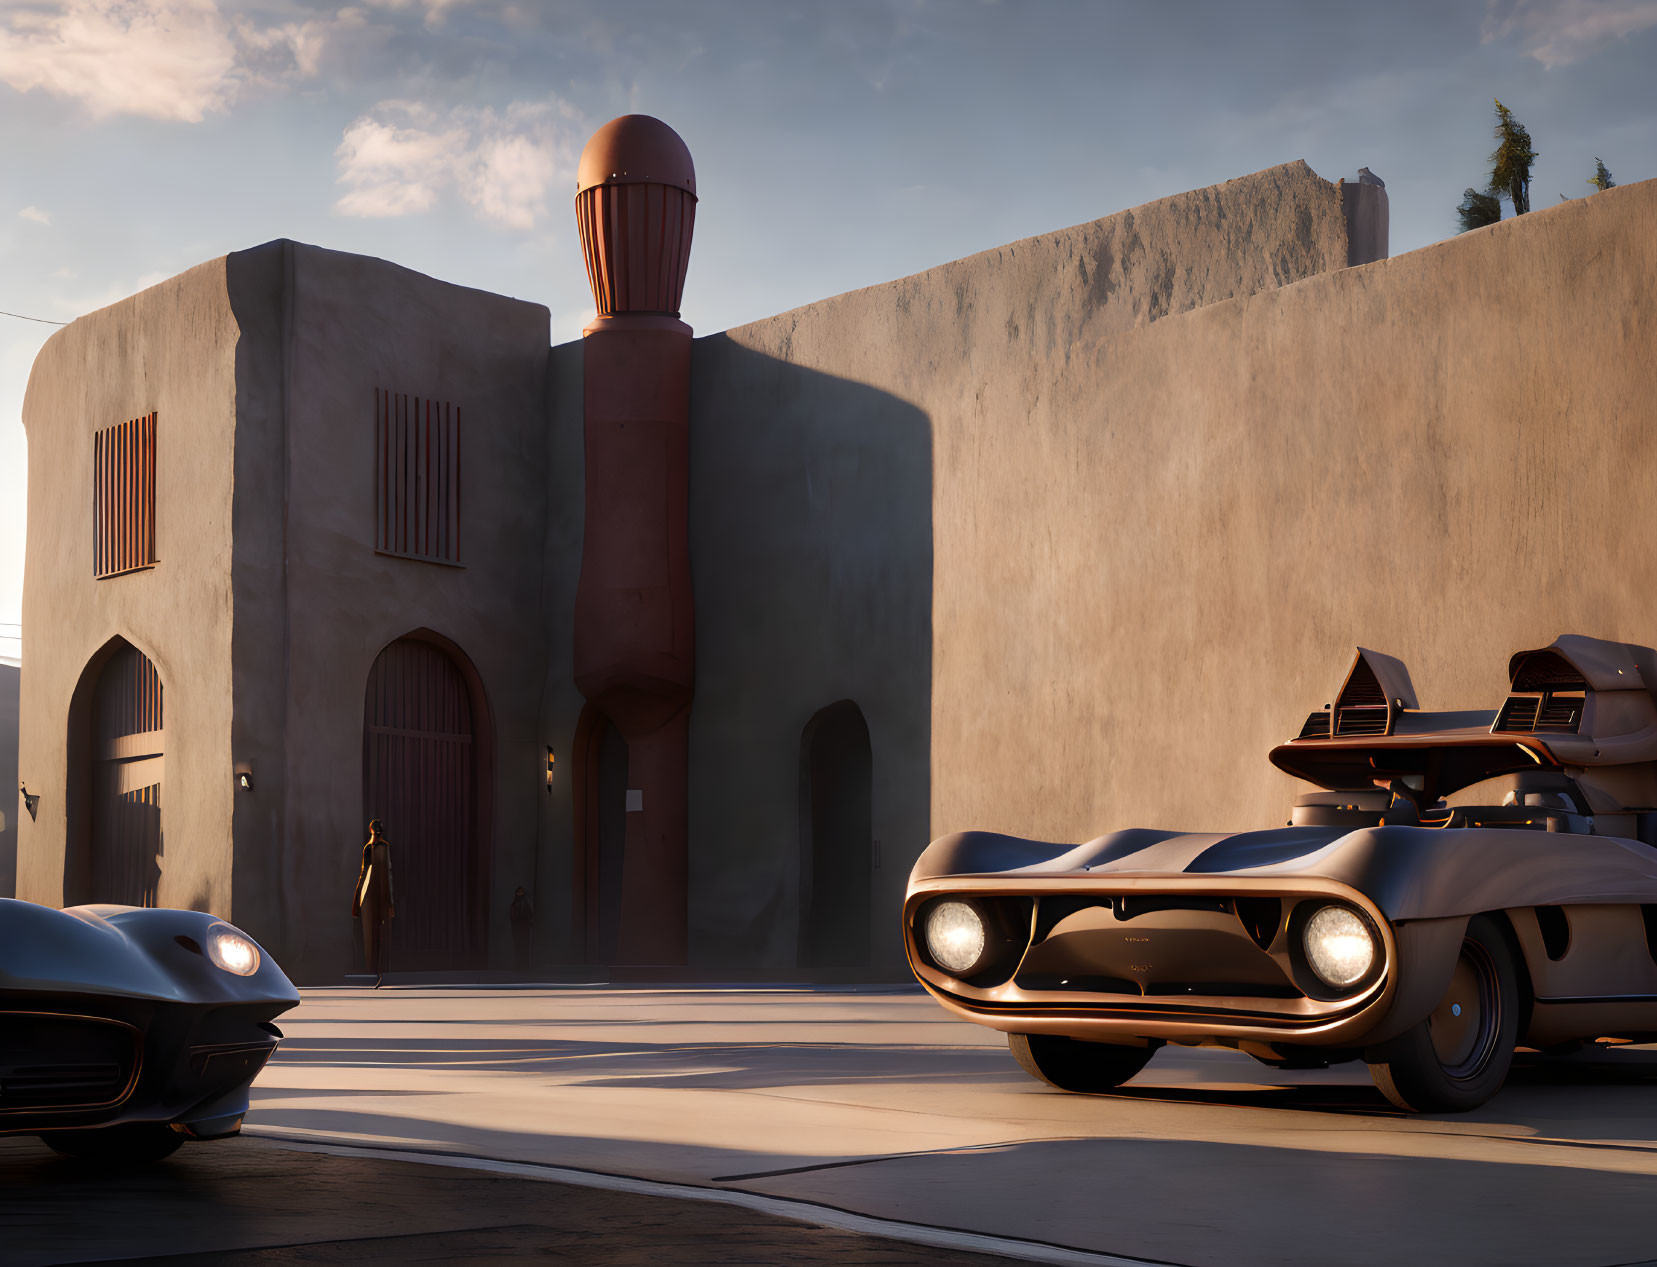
x: 699, y: 640
x: 10, y: 682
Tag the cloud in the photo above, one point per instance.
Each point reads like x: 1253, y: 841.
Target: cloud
x: 1559, y: 32
x: 35, y: 214
x: 435, y: 10
x: 397, y: 159
x: 177, y: 60
x: 291, y: 49
x: 164, y: 59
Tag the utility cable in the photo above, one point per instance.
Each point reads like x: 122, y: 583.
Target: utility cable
x: 43, y: 321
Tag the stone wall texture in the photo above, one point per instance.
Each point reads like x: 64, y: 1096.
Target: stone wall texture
x: 844, y: 458
x: 1159, y: 529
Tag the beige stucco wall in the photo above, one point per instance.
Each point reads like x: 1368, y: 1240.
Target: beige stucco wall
x: 1148, y: 577
x: 269, y: 605
x: 837, y: 538
x: 170, y: 349
x: 1084, y: 525
x: 316, y: 604
x: 11, y: 797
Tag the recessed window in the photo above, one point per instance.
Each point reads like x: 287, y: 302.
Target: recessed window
x: 416, y: 477
x: 123, y: 484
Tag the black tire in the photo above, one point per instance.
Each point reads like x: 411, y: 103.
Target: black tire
x: 1072, y: 1065
x: 130, y: 1144
x: 1459, y: 1056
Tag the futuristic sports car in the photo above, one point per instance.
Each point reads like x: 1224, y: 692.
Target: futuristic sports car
x: 125, y: 1031
x: 1383, y: 924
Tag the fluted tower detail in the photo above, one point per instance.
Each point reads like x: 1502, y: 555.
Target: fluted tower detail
x: 634, y: 620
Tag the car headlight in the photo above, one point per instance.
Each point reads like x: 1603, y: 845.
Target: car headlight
x: 232, y: 951
x: 1339, y: 946
x: 955, y: 937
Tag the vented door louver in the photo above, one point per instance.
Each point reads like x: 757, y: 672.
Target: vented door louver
x: 416, y: 478
x: 1518, y: 714
x: 1316, y: 727
x: 123, y: 501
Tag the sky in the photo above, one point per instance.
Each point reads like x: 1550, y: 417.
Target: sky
x: 838, y: 143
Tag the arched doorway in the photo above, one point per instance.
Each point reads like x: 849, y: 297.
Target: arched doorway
x: 125, y: 763
x: 425, y: 762
x: 836, y: 838
x: 600, y: 832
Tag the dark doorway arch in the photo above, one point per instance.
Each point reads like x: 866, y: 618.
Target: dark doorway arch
x: 117, y: 750
x: 600, y: 833
x: 836, y: 838
x: 426, y: 774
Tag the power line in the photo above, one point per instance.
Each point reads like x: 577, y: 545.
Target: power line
x: 43, y: 321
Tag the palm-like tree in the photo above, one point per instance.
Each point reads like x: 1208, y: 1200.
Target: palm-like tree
x: 1511, y: 162
x: 1478, y: 209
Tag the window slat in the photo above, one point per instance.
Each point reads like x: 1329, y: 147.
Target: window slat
x: 416, y: 477
x: 123, y: 495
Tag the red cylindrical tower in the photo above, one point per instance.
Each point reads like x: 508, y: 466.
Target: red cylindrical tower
x: 635, y: 653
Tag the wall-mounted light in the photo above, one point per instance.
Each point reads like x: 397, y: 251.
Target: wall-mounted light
x: 549, y: 767
x: 244, y: 776
x: 30, y: 803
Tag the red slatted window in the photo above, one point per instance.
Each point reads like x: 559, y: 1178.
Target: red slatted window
x: 416, y: 477
x: 123, y: 497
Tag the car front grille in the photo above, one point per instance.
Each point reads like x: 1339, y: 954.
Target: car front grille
x: 52, y: 1062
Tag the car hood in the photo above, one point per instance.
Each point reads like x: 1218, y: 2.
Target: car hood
x: 1409, y: 872
x: 131, y: 952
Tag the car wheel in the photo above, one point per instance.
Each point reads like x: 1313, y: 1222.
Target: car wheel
x: 1459, y: 1056
x: 1072, y: 1065
x: 130, y: 1144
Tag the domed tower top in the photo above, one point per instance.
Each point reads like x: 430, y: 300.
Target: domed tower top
x: 635, y: 204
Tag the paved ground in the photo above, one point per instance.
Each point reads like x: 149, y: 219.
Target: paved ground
x: 250, y: 1201
x: 873, y: 1101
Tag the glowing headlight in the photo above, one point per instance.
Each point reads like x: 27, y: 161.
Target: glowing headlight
x: 954, y: 936
x: 232, y: 951
x: 1339, y: 946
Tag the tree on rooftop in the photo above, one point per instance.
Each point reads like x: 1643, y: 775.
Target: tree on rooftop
x: 1511, y: 162
x: 1478, y: 209
x: 1601, y: 179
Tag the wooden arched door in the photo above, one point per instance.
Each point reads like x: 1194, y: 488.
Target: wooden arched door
x: 125, y: 782
x: 421, y: 776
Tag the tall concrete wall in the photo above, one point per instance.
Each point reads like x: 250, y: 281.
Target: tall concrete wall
x: 170, y: 349
x: 1155, y: 542
x: 11, y: 800
x: 315, y: 604
x: 1447, y: 456
x: 836, y: 454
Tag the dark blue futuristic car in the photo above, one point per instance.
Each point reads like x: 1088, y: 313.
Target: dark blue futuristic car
x: 125, y: 1031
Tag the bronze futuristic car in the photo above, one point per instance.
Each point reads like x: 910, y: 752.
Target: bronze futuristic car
x: 1383, y: 924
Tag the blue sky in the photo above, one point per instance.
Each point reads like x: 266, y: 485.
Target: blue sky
x: 837, y: 144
